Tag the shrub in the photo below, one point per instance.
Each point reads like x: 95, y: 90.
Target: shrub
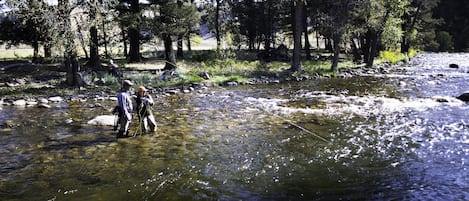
x: 445, y: 40
x: 392, y: 56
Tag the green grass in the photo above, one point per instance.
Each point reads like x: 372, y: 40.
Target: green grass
x: 396, y: 56
x: 222, y: 66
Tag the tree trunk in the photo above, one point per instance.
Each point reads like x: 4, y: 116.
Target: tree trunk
x: 297, y: 30
x: 217, y: 24
x: 80, y: 36
x: 189, y: 48
x: 35, y: 51
x: 305, y: 26
x: 329, y: 45
x: 94, y: 62
x: 134, y: 40
x: 317, y: 41
x: 335, y: 58
x: 366, y: 41
x: 373, y: 49
x: 71, y: 62
x: 47, y: 50
x: 355, y: 51
x: 405, y: 42
x: 180, y: 53
x: 169, y: 53
x: 105, y: 40
x: 134, y: 34
x: 124, y: 40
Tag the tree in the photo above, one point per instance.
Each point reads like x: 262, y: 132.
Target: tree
x: 334, y: 23
x: 94, y: 62
x: 27, y: 24
x: 70, y: 54
x: 456, y: 22
x: 170, y: 19
x: 297, y: 30
x: 130, y: 19
x: 418, y: 22
x: 375, y: 17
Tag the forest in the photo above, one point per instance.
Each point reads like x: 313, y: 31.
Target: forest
x: 90, y: 32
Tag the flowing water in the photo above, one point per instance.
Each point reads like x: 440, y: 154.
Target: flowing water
x: 377, y: 137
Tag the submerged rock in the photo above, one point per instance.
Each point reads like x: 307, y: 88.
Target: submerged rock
x: 103, y: 120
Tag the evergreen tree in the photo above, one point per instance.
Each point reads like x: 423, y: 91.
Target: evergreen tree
x: 418, y: 24
x: 456, y: 22
x: 170, y: 19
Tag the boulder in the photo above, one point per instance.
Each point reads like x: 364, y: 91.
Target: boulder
x: 104, y: 120
x: 454, y: 66
x: 43, y: 105
x: 464, y: 97
x: 19, y: 102
x: 55, y: 99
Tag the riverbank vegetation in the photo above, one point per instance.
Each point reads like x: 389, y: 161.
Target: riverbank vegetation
x: 164, y: 43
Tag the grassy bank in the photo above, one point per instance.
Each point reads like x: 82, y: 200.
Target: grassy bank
x: 209, y: 67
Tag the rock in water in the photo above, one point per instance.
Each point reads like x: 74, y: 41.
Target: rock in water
x: 464, y: 96
x: 454, y: 66
x: 103, y: 120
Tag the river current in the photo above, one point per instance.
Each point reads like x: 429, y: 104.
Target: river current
x: 396, y: 136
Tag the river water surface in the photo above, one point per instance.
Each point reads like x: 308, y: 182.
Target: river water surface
x: 397, y: 136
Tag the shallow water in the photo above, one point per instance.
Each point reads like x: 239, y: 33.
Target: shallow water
x: 363, y: 138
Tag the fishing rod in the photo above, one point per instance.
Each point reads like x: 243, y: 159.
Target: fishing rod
x: 301, y: 128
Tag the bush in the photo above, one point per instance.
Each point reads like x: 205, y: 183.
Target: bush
x: 445, y: 40
x: 392, y: 56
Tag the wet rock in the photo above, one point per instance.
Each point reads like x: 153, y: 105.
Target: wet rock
x: 31, y: 103
x: 69, y: 121
x: 464, y: 97
x: 9, y: 84
x: 440, y: 99
x: 43, y: 100
x: 99, y: 82
x: 103, y: 120
x: 172, y: 92
x: 95, y: 105
x: 43, y: 105
x: 19, y: 103
x: 56, y: 99
x: 204, y: 75
x: 197, y: 85
x: 454, y: 66
x: 231, y: 84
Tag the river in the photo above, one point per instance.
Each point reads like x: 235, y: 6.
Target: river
x: 395, y: 136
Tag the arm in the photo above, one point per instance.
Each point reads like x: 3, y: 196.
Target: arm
x: 150, y: 100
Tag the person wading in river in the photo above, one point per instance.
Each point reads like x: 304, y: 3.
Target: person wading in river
x: 124, y: 102
x: 145, y: 115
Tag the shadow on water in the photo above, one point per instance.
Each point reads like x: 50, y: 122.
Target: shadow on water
x: 387, y: 138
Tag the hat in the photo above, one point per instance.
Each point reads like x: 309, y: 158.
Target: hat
x: 141, y: 89
x: 128, y: 83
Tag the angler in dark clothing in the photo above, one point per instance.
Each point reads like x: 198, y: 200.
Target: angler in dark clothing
x: 145, y: 115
